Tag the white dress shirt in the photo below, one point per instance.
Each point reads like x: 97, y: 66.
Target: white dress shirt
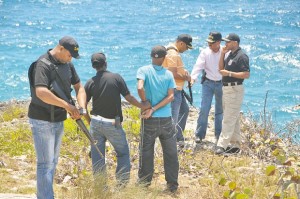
x: 209, y: 62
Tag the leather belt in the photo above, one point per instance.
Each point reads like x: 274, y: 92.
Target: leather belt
x: 232, y: 83
x: 103, y: 119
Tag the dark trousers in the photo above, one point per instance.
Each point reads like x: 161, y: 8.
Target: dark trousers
x: 163, y: 129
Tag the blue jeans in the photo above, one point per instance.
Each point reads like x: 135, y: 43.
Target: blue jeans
x: 47, y: 140
x: 102, y: 131
x: 164, y: 129
x: 180, y: 113
x: 209, y: 89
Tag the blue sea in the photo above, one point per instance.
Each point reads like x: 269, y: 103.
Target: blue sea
x: 126, y: 30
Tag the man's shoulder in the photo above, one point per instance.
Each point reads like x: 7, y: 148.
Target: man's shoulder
x: 242, y: 54
x: 44, y: 60
x: 146, y: 67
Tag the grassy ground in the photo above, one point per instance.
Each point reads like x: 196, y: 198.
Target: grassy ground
x: 202, y: 174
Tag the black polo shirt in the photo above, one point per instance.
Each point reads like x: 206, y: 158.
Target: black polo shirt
x: 42, y: 77
x: 237, y: 61
x: 105, y: 89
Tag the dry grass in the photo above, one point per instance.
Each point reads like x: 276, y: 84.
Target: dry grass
x: 202, y: 173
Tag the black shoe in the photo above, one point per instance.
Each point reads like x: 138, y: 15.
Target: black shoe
x: 233, y: 150
x: 198, y: 140
x: 219, y: 150
x: 172, y: 187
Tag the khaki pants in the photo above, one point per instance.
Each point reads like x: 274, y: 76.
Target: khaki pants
x: 232, y: 102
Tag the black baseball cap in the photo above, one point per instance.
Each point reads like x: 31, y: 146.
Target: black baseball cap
x: 158, y: 51
x: 98, y: 59
x: 71, y: 45
x: 187, y: 39
x: 213, y: 37
x: 232, y: 37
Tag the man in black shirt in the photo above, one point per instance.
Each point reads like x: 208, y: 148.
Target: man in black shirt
x: 47, y: 111
x: 234, y: 67
x: 106, y: 116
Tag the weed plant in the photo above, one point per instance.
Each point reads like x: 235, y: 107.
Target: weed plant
x: 267, y: 168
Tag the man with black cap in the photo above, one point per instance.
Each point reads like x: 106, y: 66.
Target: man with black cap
x: 173, y: 63
x: 156, y: 85
x: 47, y: 111
x: 208, y: 64
x: 105, y: 90
x: 234, y: 67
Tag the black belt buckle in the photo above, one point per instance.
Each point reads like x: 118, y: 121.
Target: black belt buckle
x: 232, y: 83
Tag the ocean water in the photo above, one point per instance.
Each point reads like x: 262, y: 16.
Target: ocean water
x: 126, y: 30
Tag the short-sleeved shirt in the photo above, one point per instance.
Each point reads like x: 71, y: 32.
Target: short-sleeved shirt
x: 42, y: 77
x: 173, y: 59
x: 157, y: 82
x: 237, y: 61
x: 105, y: 89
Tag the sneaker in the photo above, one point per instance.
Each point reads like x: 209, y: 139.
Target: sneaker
x: 219, y: 150
x: 233, y: 150
x: 198, y: 140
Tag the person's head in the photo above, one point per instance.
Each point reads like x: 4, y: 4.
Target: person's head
x: 66, y: 49
x: 184, y: 42
x: 99, y: 61
x: 232, y: 41
x: 158, y: 54
x: 214, y: 41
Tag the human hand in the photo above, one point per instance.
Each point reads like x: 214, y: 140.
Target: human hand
x: 224, y: 50
x: 145, y: 105
x: 187, y: 75
x: 147, y: 113
x: 192, y: 82
x: 73, y: 111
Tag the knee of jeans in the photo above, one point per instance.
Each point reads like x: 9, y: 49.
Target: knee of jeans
x: 45, y: 165
x: 123, y: 153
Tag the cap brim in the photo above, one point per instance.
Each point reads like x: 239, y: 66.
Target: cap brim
x: 190, y: 47
x: 224, y: 39
x: 210, y: 41
x: 76, y: 56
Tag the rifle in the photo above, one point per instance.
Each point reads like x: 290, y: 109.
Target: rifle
x: 189, y: 97
x: 55, y: 88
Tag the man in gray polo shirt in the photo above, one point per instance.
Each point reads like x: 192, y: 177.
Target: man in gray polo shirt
x: 105, y: 90
x: 234, y: 67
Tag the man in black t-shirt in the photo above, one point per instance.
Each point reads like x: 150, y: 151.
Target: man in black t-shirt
x: 234, y: 67
x: 105, y: 90
x: 47, y: 111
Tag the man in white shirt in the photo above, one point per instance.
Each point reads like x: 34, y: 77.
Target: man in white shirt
x: 208, y: 64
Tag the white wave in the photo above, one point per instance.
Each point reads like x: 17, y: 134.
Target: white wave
x: 247, y: 48
x: 278, y: 22
x: 185, y: 16
x: 22, y: 45
x: 285, y: 59
x: 30, y: 23
x: 285, y: 39
x: 70, y: 2
x: 282, y: 11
